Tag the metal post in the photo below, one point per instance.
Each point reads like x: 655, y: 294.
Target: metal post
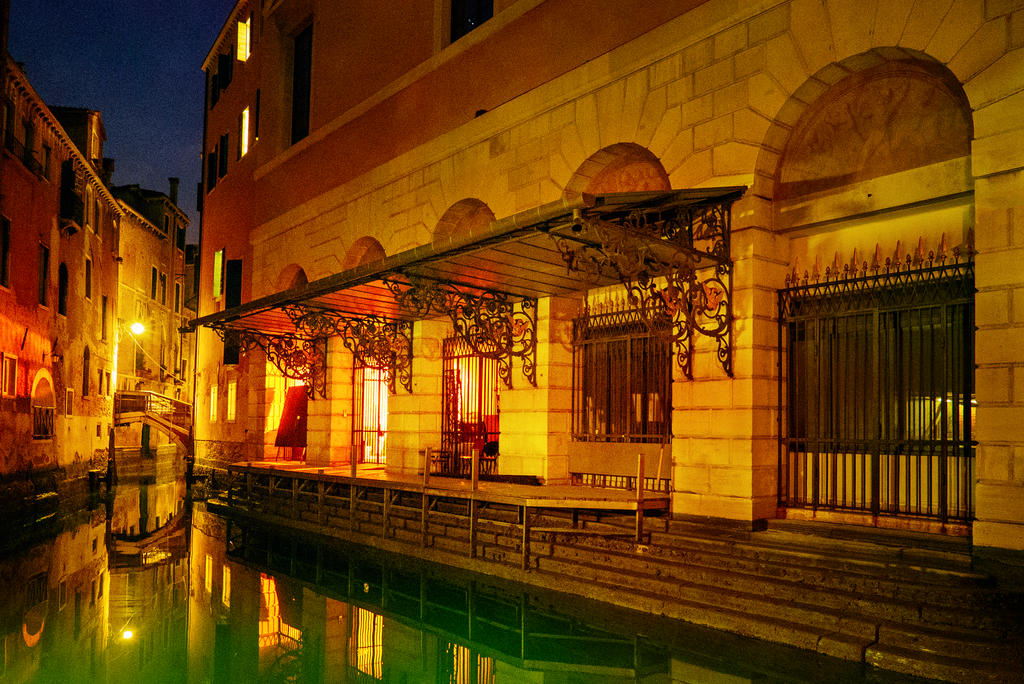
x: 111, y: 460
x: 475, y: 467
x: 525, y: 513
x: 427, y: 457
x: 472, y: 527
x: 639, y: 496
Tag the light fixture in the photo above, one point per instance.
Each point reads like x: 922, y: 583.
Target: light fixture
x: 137, y: 328
x: 127, y: 634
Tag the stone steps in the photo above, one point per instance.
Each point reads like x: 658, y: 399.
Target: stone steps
x: 918, y: 613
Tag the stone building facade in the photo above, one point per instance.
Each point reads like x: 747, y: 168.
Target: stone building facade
x: 58, y: 288
x: 877, y: 146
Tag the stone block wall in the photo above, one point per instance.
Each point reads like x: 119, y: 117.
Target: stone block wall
x: 715, y: 97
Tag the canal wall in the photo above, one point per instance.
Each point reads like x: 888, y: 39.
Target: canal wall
x: 912, y: 604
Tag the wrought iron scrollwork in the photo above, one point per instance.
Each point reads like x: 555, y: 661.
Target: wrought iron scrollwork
x: 299, y: 358
x: 675, y: 268
x: 493, y: 324
x: 374, y: 341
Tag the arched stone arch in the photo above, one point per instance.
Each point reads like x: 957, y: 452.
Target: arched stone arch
x: 42, y: 389
x: 870, y: 115
x: 465, y: 217
x: 618, y: 168
x: 362, y: 251
x: 291, y: 276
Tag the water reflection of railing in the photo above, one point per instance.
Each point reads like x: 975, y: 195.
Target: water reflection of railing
x: 476, y: 624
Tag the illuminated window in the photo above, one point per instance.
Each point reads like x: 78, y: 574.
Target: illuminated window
x: 8, y: 381
x: 277, y: 389
x: 459, y: 665
x: 243, y: 133
x: 208, y: 574
x: 218, y: 273
x: 213, y: 403
x: 370, y: 405
x: 225, y: 587
x: 232, y: 397
x: 244, y: 47
x: 469, y: 419
x: 369, y: 629
x: 274, y: 631
x: 622, y: 379
x: 42, y: 410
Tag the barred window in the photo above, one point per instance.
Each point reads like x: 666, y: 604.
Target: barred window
x: 622, y: 380
x: 878, y: 393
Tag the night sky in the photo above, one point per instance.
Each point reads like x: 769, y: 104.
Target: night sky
x: 139, y: 62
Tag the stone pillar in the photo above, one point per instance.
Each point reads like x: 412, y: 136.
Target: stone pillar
x: 414, y: 419
x: 725, y: 429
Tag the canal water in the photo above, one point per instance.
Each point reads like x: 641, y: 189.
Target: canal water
x: 144, y: 585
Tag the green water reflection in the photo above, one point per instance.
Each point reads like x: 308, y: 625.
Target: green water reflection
x: 145, y: 588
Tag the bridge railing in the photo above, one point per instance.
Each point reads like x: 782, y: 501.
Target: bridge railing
x: 172, y: 410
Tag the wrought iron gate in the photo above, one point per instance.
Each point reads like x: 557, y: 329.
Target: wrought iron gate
x: 878, y: 393
x: 370, y: 414
x: 469, y: 419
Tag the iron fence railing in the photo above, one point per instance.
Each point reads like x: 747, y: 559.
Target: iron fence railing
x: 878, y: 392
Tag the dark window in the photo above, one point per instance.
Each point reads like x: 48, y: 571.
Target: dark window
x: 177, y: 297
x: 233, y: 283
x: 211, y: 170
x: 256, y: 117
x: 180, y: 238
x: 85, y: 372
x: 222, y: 156
x: 214, y: 90
x: 62, y: 289
x: 622, y: 380
x: 44, y: 274
x: 47, y: 153
x: 88, y: 278
x: 302, y: 67
x: 152, y: 285
x: 232, y: 347
x: 103, y: 318
x: 5, y: 252
x: 163, y: 289
x: 878, y: 394
x: 468, y: 14
x: 225, y: 68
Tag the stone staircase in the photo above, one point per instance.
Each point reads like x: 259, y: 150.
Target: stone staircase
x: 915, y: 606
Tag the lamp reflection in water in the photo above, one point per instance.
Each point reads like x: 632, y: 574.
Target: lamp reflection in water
x: 134, y: 330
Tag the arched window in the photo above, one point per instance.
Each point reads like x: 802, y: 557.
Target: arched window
x: 42, y: 409
x: 85, y: 372
x: 62, y: 289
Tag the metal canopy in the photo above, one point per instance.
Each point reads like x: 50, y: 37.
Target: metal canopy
x: 488, y: 283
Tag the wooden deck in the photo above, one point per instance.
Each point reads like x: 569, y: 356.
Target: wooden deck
x: 317, y: 494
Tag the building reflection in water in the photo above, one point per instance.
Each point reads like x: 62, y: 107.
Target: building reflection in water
x: 149, y: 589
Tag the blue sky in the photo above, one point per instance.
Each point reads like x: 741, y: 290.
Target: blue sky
x: 139, y: 63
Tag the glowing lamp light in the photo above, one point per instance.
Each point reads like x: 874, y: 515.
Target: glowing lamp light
x: 137, y: 328
x: 127, y: 634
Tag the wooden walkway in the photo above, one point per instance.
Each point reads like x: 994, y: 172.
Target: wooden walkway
x: 315, y: 494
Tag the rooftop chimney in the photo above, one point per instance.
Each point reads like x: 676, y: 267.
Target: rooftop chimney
x: 108, y: 170
x: 174, y: 189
